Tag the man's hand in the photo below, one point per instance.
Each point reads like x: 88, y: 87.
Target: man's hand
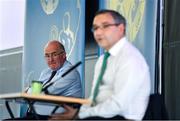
x: 69, y: 114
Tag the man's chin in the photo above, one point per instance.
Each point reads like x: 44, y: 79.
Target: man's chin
x: 53, y: 67
x: 103, y: 46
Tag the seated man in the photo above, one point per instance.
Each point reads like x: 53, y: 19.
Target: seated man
x: 121, y: 84
x: 69, y: 85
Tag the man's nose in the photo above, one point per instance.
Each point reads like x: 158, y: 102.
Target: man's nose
x: 51, y: 58
x: 99, y: 31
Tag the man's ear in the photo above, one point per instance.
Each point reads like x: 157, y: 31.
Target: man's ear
x: 121, y: 27
x: 64, y: 56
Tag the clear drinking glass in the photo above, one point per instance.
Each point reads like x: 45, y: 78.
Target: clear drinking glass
x: 28, y: 81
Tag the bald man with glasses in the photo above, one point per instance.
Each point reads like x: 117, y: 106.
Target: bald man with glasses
x: 69, y: 85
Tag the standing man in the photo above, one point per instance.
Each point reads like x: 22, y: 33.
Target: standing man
x: 69, y: 85
x: 121, y: 84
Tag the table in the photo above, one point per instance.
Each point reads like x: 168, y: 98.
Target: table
x: 31, y: 98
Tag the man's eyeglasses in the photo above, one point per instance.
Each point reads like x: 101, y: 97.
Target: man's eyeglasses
x: 53, y: 55
x: 103, y: 27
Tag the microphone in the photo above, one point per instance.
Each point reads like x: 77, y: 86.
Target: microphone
x: 72, y: 68
x: 64, y: 74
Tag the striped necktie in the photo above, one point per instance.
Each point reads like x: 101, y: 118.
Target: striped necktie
x: 103, y: 68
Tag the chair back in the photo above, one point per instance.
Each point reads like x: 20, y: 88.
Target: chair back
x: 156, y: 109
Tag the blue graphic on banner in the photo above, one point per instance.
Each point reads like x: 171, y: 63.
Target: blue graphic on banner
x: 140, y: 30
x: 46, y: 20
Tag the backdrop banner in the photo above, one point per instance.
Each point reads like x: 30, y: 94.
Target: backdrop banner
x: 46, y: 20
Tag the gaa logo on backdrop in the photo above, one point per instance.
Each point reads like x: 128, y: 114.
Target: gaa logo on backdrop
x: 68, y: 22
x: 133, y: 11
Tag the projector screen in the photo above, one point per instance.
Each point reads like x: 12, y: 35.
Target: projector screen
x: 12, y: 17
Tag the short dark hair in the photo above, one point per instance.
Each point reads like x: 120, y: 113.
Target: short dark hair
x: 118, y: 18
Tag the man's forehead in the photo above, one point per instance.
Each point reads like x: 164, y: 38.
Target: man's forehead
x: 103, y: 19
x: 51, y: 49
x: 50, y: 52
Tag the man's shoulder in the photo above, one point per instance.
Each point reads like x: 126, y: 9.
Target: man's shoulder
x: 46, y: 70
x: 67, y: 66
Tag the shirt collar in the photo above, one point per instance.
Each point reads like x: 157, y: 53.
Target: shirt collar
x: 60, y: 68
x: 117, y: 47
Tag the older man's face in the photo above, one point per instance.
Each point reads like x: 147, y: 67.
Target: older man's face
x: 55, y: 56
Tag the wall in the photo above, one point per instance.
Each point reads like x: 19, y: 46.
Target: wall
x: 10, y: 77
x: 171, y: 58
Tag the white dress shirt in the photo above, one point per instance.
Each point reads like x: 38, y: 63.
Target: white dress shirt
x: 126, y: 84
